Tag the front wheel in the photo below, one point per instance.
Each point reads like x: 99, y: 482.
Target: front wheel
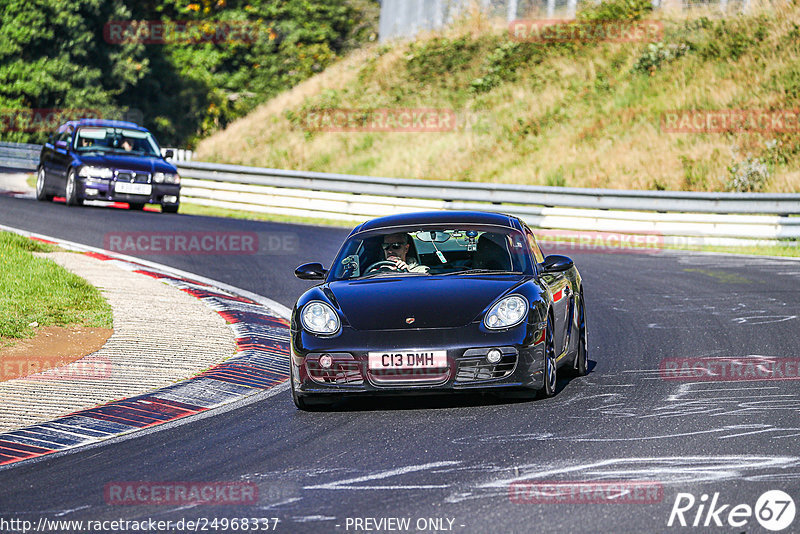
x: 41, y: 186
x: 71, y: 191
x: 550, y: 364
x: 581, y: 358
x: 302, y: 403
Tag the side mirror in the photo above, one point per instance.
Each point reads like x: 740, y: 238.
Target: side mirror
x: 61, y: 144
x: 310, y: 271
x: 169, y: 154
x: 556, y: 264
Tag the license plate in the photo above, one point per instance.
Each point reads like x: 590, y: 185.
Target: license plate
x: 407, y: 360
x: 133, y: 189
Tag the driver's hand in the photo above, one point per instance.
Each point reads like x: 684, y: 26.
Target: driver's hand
x: 400, y: 265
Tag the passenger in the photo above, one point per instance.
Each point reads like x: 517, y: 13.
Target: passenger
x: 126, y: 144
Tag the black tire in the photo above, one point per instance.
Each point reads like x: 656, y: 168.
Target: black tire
x: 136, y: 206
x: 302, y: 403
x: 172, y: 208
x: 550, y: 370
x: 71, y: 190
x: 41, y: 186
x: 579, y: 366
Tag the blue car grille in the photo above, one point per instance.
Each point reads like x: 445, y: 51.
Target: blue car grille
x: 133, y: 177
x: 479, y: 369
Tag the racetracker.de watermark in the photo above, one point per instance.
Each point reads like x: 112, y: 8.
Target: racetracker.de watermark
x: 201, y: 243
x: 161, y: 32
x: 41, y: 119
x: 730, y: 120
x: 585, y: 492
x: 750, y: 368
x: 568, y: 30
x: 379, y: 120
x: 180, y: 493
x: 44, y: 368
x: 599, y: 242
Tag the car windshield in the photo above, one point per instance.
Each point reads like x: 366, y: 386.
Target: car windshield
x: 116, y: 140
x: 452, y: 250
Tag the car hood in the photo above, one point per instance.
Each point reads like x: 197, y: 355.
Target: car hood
x: 132, y: 163
x: 433, y: 301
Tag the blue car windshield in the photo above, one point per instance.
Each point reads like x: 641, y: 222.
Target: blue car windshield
x: 116, y: 140
x: 464, y: 250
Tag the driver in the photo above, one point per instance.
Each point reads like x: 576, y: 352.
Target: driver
x: 395, y: 249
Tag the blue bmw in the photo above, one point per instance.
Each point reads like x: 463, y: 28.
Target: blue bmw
x: 117, y: 161
x: 437, y: 302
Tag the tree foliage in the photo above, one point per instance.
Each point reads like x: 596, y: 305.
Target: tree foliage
x: 55, y: 55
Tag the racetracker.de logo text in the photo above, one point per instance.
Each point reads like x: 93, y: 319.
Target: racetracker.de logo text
x: 567, y: 30
x: 379, y: 120
x: 180, y: 493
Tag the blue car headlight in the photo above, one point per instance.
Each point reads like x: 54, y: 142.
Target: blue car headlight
x: 507, y: 312
x: 87, y: 171
x: 319, y: 318
x: 166, y: 178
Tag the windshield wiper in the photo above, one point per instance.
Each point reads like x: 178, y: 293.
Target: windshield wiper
x: 480, y: 271
x: 387, y: 272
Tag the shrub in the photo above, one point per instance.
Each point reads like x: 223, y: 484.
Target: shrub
x: 658, y: 54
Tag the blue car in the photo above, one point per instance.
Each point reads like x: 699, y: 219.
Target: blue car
x: 116, y: 161
x: 437, y: 302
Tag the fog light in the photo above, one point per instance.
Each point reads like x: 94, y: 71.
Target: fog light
x: 326, y: 361
x: 493, y: 356
x: 170, y: 199
x: 91, y: 192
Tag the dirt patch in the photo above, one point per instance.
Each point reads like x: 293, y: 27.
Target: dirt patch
x: 52, y: 347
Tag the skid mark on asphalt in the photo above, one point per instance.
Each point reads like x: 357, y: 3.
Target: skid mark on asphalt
x: 354, y: 483
x: 668, y: 470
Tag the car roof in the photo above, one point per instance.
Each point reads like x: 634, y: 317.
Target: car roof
x: 109, y: 123
x: 439, y: 217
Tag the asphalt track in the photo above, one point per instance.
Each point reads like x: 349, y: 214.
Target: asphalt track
x: 454, y: 458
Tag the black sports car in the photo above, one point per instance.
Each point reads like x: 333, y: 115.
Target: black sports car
x: 439, y: 301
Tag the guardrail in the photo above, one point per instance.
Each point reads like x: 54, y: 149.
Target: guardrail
x: 19, y: 156
x: 677, y: 216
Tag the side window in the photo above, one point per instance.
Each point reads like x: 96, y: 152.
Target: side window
x: 534, y: 246
x: 63, y: 136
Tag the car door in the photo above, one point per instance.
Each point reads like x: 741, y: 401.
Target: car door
x: 61, y: 158
x: 562, y: 295
x: 46, y: 156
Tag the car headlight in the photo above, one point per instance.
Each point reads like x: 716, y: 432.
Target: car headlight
x: 507, y: 312
x: 166, y: 178
x: 319, y: 318
x: 87, y: 171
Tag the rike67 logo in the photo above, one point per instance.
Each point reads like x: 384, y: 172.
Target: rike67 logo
x: 774, y: 510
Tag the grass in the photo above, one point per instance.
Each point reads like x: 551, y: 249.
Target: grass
x: 37, y: 290
x: 579, y: 115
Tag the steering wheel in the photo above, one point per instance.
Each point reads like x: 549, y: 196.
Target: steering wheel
x: 381, y: 265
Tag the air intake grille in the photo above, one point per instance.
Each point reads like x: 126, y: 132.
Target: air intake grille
x: 346, y: 372
x: 478, y: 370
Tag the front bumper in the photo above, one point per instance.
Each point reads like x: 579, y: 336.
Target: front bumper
x: 99, y: 189
x: 521, y: 364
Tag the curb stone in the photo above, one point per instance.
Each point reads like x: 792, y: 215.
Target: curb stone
x: 261, y: 363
